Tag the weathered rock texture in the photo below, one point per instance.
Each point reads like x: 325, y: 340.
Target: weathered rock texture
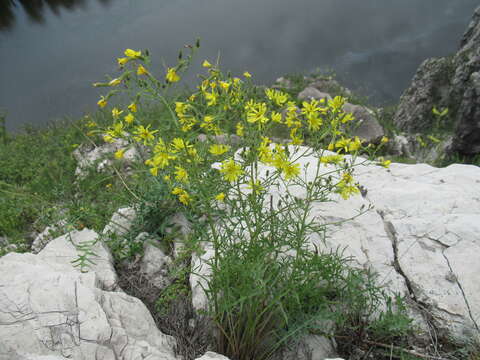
x: 421, y: 238
x: 451, y: 82
x: 49, y: 309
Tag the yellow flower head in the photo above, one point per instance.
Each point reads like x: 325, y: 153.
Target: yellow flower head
x: 178, y: 144
x: 181, y: 174
x: 336, y: 103
x: 220, y: 197
x: 384, y: 140
x: 132, y: 107
x: 172, y: 75
x: 129, y: 118
x: 183, y: 196
x: 132, y: 54
x: 247, y: 74
x: 123, y: 61
x: 181, y: 108
x: 141, y: 70
x: 119, y: 154
x: 290, y: 170
x: 219, y: 149
x: 231, y: 170
x: 108, y: 138
x: 116, y: 113
x: 211, y: 98
x: 240, y: 129
x: 102, y: 102
x: 206, y: 64
x: 144, y: 134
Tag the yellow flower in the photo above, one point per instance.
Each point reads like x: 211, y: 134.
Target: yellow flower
x: 102, y: 102
x: 231, y: 170
x: 183, y: 196
x: 172, y: 75
x: 129, y: 118
x: 384, y: 163
x: 179, y: 144
x: 180, y: 108
x: 220, y: 197
x: 355, y: 144
x: 119, y: 154
x: 276, y: 117
x: 154, y: 171
x: 132, y: 54
x: 331, y: 159
x: 219, y: 149
x: 132, y: 107
x: 122, y: 61
x: 256, y: 113
x: 224, y: 85
x: 291, y: 170
x: 336, y: 103
x: 211, y: 98
x: 240, y: 129
x: 108, y: 138
x: 116, y: 113
x: 384, y: 140
x: 114, y: 82
x: 247, y: 74
x: 206, y: 64
x: 347, y: 117
x: 141, y: 70
x: 331, y: 147
x: 144, y: 134
x: 181, y: 174
x: 278, y: 97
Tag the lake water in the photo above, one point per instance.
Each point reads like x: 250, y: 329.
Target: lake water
x: 51, y: 51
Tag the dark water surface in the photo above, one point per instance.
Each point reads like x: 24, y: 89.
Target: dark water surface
x: 52, y: 50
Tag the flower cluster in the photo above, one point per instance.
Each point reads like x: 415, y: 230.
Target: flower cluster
x: 219, y: 106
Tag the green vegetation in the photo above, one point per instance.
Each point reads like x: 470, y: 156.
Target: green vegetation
x: 269, y: 285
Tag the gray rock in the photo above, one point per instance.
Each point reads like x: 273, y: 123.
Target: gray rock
x: 310, y: 93
x: 47, y: 235
x: 311, y: 347
x: 399, y: 146
x: 52, y: 310
x: 452, y: 83
x: 329, y: 85
x: 430, y: 87
x: 367, y: 126
x: 121, y: 222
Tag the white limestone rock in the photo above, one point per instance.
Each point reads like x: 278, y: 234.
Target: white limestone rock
x: 209, y: 355
x: 88, y: 155
x: 49, y: 309
x: 121, y: 222
x: 155, y: 265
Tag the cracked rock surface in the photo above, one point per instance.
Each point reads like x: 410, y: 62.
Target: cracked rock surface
x: 49, y: 309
